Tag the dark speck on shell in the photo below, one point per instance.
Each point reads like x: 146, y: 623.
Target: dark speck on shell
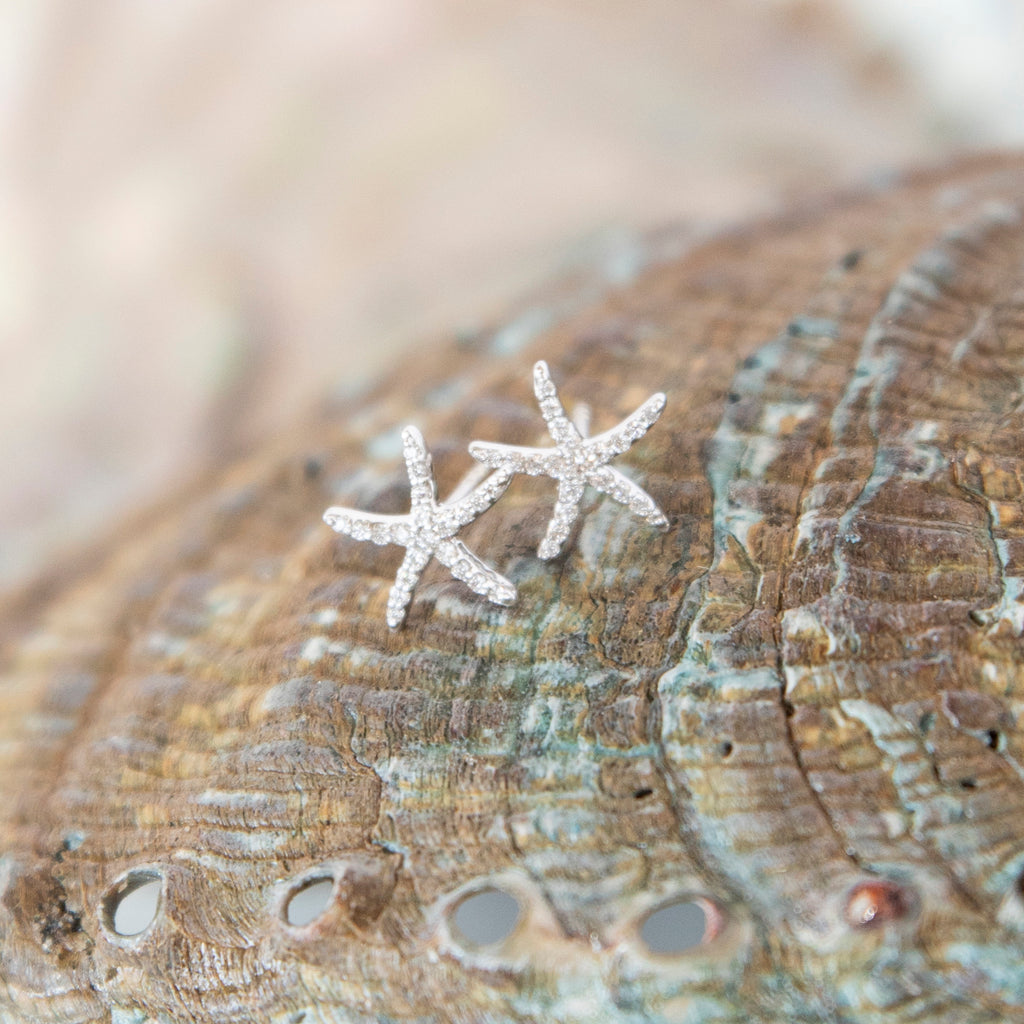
x: 793, y: 719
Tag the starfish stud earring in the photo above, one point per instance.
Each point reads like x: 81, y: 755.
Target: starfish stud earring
x: 576, y: 460
x: 428, y: 531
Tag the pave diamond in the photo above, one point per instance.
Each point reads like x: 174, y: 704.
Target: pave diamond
x: 428, y: 531
x: 576, y: 461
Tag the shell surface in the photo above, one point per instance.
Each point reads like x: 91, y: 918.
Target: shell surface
x: 792, y: 718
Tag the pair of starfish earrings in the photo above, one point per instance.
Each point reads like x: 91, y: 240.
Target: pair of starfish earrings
x: 428, y: 530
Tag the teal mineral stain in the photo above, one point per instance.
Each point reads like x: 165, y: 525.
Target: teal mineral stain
x: 514, y: 337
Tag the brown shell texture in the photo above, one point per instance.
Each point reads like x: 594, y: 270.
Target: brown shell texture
x: 795, y: 715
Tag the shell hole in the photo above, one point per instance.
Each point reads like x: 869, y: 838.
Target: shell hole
x: 309, y: 901
x: 132, y: 905
x: 725, y: 748
x: 485, y: 918
x: 680, y: 926
x: 992, y: 739
x: 643, y: 794
x: 873, y: 903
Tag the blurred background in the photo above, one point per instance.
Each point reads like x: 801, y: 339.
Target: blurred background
x: 212, y: 212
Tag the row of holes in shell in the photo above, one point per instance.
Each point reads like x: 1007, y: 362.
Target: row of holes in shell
x: 481, y: 919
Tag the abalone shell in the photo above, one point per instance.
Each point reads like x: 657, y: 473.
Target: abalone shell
x: 793, y: 718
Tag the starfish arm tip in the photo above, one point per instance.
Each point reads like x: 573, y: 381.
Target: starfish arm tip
x: 414, y: 449
x: 398, y: 605
x: 548, y: 549
x: 346, y: 521
x: 487, y: 452
x: 483, y: 452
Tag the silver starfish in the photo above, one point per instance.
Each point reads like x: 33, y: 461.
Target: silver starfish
x: 577, y: 460
x: 428, y: 531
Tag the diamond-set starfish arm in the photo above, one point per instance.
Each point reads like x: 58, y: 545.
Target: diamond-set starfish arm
x: 560, y: 427
x: 415, y: 561
x: 567, y: 508
x: 622, y: 437
x: 475, y: 573
x: 577, y: 461
x: 420, y: 467
x: 427, y: 531
x: 462, y: 512
x: 618, y: 486
x: 379, y: 529
x: 531, y: 461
